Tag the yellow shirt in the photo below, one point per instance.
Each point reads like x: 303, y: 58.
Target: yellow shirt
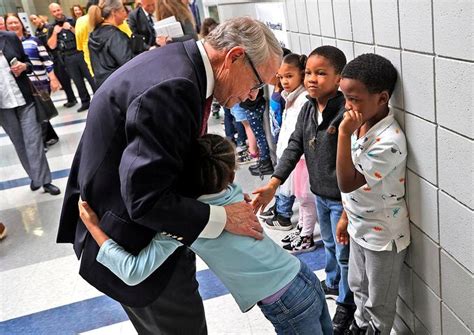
x: 82, y: 37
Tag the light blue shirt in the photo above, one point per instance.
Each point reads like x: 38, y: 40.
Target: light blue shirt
x: 251, y: 269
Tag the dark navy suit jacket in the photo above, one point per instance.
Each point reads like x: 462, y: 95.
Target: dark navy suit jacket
x: 135, y: 162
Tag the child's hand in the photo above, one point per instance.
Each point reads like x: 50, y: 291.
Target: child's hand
x: 87, y: 215
x: 341, y: 231
x: 351, y: 122
x: 264, y: 195
x: 91, y: 222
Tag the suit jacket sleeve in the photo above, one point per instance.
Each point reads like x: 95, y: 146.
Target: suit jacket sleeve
x: 132, y: 22
x: 161, y: 126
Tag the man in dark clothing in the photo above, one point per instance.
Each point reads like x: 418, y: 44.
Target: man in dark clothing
x: 141, y: 24
x: 62, y: 41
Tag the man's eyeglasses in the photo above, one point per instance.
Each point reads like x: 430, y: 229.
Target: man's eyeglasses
x: 260, y: 81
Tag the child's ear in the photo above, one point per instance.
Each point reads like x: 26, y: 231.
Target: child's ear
x: 384, y: 97
x: 338, y: 79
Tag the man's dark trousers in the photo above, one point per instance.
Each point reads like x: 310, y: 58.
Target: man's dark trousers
x: 64, y: 80
x: 179, y: 309
x: 77, y: 69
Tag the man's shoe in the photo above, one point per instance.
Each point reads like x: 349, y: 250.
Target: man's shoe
x: 293, y: 235
x: 3, y: 231
x: 51, y: 189
x: 34, y: 188
x: 342, y: 319
x: 269, y: 213
x: 70, y: 104
x: 83, y: 107
x: 300, y: 245
x: 279, y: 222
x: 265, y: 168
x: 52, y: 141
x: 331, y: 293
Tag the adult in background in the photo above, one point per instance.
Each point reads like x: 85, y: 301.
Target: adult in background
x: 109, y: 47
x: 137, y: 145
x: 41, y: 31
x: 141, y: 21
x: 42, y: 77
x: 83, y: 30
x: 62, y: 40
x: 77, y: 11
x: 18, y: 115
x: 2, y: 24
x: 182, y: 13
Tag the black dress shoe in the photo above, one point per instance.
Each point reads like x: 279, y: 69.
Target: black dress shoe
x: 51, y: 189
x: 70, y: 103
x: 34, y: 188
x: 83, y: 107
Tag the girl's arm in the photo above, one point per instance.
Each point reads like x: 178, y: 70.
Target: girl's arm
x: 132, y: 270
x: 91, y: 221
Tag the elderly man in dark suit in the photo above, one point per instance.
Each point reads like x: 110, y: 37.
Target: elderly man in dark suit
x: 135, y: 162
x: 141, y: 23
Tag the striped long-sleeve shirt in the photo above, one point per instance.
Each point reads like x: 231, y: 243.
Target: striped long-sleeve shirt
x: 42, y: 63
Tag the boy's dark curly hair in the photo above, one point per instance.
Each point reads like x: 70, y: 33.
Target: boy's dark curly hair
x: 216, y: 163
x: 374, y: 71
x: 335, y: 56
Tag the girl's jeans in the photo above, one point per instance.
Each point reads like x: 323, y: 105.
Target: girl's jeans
x: 302, y: 309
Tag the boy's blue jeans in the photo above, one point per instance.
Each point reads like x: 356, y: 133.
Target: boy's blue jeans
x: 337, y: 255
x: 284, y: 205
x: 302, y: 309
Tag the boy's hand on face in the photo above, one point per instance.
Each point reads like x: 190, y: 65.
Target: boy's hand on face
x: 351, y: 122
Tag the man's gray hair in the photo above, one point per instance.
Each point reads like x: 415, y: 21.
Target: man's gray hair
x: 254, y: 36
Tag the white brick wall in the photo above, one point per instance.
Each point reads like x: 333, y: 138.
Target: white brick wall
x: 431, y: 44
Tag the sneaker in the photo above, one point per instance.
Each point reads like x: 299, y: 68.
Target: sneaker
x: 264, y: 167
x: 354, y: 329
x: 279, y: 222
x: 300, y: 244
x: 269, y: 213
x: 3, y: 231
x: 331, y: 293
x: 246, y: 159
x: 342, y: 319
x: 291, y: 236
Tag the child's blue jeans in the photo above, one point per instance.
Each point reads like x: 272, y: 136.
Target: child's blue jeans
x: 337, y: 255
x: 302, y: 309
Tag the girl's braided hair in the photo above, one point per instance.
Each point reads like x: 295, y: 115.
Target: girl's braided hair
x: 216, y: 160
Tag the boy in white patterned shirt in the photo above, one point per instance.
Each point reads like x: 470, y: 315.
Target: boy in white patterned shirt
x: 371, y: 164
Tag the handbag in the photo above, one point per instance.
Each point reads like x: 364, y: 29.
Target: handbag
x: 44, y: 106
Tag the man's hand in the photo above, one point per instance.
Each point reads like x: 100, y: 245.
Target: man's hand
x: 242, y: 221
x: 265, y: 194
x: 57, y: 29
x: 18, y: 68
x: 351, y: 122
x: 67, y: 26
x: 162, y: 40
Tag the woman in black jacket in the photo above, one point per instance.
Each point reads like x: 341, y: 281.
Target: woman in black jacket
x: 108, y: 46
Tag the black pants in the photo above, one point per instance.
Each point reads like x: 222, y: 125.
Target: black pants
x: 48, y: 132
x: 64, y: 80
x: 178, y: 310
x: 77, y: 69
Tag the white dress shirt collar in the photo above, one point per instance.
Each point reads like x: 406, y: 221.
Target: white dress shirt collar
x: 207, y: 65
